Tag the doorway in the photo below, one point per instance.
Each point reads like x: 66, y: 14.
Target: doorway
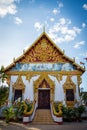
x: 44, y: 99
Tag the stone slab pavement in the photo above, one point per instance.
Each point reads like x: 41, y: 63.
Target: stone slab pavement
x: 64, y: 126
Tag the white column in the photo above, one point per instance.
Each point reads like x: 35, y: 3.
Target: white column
x: 13, y: 80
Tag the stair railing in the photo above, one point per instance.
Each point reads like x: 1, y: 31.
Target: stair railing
x: 57, y: 116
x: 32, y: 112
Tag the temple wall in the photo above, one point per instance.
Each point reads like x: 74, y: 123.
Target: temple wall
x: 12, y: 81
x: 28, y: 92
x: 59, y: 94
x: 74, y: 79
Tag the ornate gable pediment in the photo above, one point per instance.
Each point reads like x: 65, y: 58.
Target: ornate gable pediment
x: 69, y: 84
x: 19, y: 84
x: 43, y: 50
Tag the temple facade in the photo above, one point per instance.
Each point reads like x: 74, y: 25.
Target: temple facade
x: 44, y: 73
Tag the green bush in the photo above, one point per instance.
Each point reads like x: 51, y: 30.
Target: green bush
x: 70, y: 114
x: 4, y: 91
x: 8, y: 113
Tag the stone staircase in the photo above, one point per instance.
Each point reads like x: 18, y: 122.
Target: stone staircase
x: 43, y: 116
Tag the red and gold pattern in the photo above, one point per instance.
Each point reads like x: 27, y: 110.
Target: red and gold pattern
x: 43, y: 51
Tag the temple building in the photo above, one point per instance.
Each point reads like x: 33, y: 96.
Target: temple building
x: 44, y: 73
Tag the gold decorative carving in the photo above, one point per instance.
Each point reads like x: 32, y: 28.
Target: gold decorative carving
x: 44, y: 85
x: 29, y: 76
x: 43, y: 51
x: 75, y: 72
x: 8, y: 80
x: 58, y: 76
x: 70, y: 103
x: 69, y: 84
x: 19, y: 84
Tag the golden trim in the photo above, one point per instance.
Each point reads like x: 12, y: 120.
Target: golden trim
x: 70, y: 103
x: 19, y: 84
x: 75, y: 72
x: 58, y: 76
x: 69, y: 84
x: 60, y: 112
x: 39, y: 81
x: 79, y: 79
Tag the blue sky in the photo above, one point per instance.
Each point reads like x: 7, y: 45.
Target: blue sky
x: 22, y: 21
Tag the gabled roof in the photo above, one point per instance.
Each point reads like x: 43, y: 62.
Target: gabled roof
x: 46, y: 51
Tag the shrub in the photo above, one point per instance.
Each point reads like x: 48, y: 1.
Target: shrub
x: 8, y: 113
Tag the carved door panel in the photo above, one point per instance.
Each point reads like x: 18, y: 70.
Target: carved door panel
x: 44, y: 99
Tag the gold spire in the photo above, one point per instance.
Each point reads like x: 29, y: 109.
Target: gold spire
x: 44, y: 28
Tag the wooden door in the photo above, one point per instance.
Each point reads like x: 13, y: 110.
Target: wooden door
x: 44, y: 99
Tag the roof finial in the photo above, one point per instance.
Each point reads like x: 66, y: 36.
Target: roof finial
x: 44, y: 28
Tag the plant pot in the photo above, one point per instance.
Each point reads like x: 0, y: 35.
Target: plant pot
x: 60, y: 120
x: 25, y: 119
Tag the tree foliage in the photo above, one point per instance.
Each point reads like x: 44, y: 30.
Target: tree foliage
x: 3, y: 95
x: 3, y: 89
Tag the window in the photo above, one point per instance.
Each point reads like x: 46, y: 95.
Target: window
x: 69, y: 95
x: 18, y: 94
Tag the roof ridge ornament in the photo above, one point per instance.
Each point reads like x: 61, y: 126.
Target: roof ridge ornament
x: 44, y: 28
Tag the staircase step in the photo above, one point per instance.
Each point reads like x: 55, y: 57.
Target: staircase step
x: 43, y: 116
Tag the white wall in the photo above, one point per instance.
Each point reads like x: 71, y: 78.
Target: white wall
x: 13, y: 80
x: 59, y: 93
x: 74, y: 79
x: 29, y: 90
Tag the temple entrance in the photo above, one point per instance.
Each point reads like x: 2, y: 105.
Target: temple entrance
x: 43, y: 99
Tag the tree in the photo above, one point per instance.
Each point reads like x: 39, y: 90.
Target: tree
x: 3, y: 76
x: 3, y: 95
x: 3, y: 88
x: 83, y: 96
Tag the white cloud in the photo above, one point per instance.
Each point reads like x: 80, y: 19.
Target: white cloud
x: 52, y: 19
x: 63, y: 32
x: 83, y: 25
x: 60, y: 5
x: 18, y: 20
x: 62, y: 21
x: 6, y: 1
x: 8, y: 7
x: 38, y: 26
x: 85, y: 6
x: 55, y: 11
x: 79, y: 44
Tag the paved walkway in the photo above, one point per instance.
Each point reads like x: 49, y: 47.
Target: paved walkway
x: 65, y: 126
